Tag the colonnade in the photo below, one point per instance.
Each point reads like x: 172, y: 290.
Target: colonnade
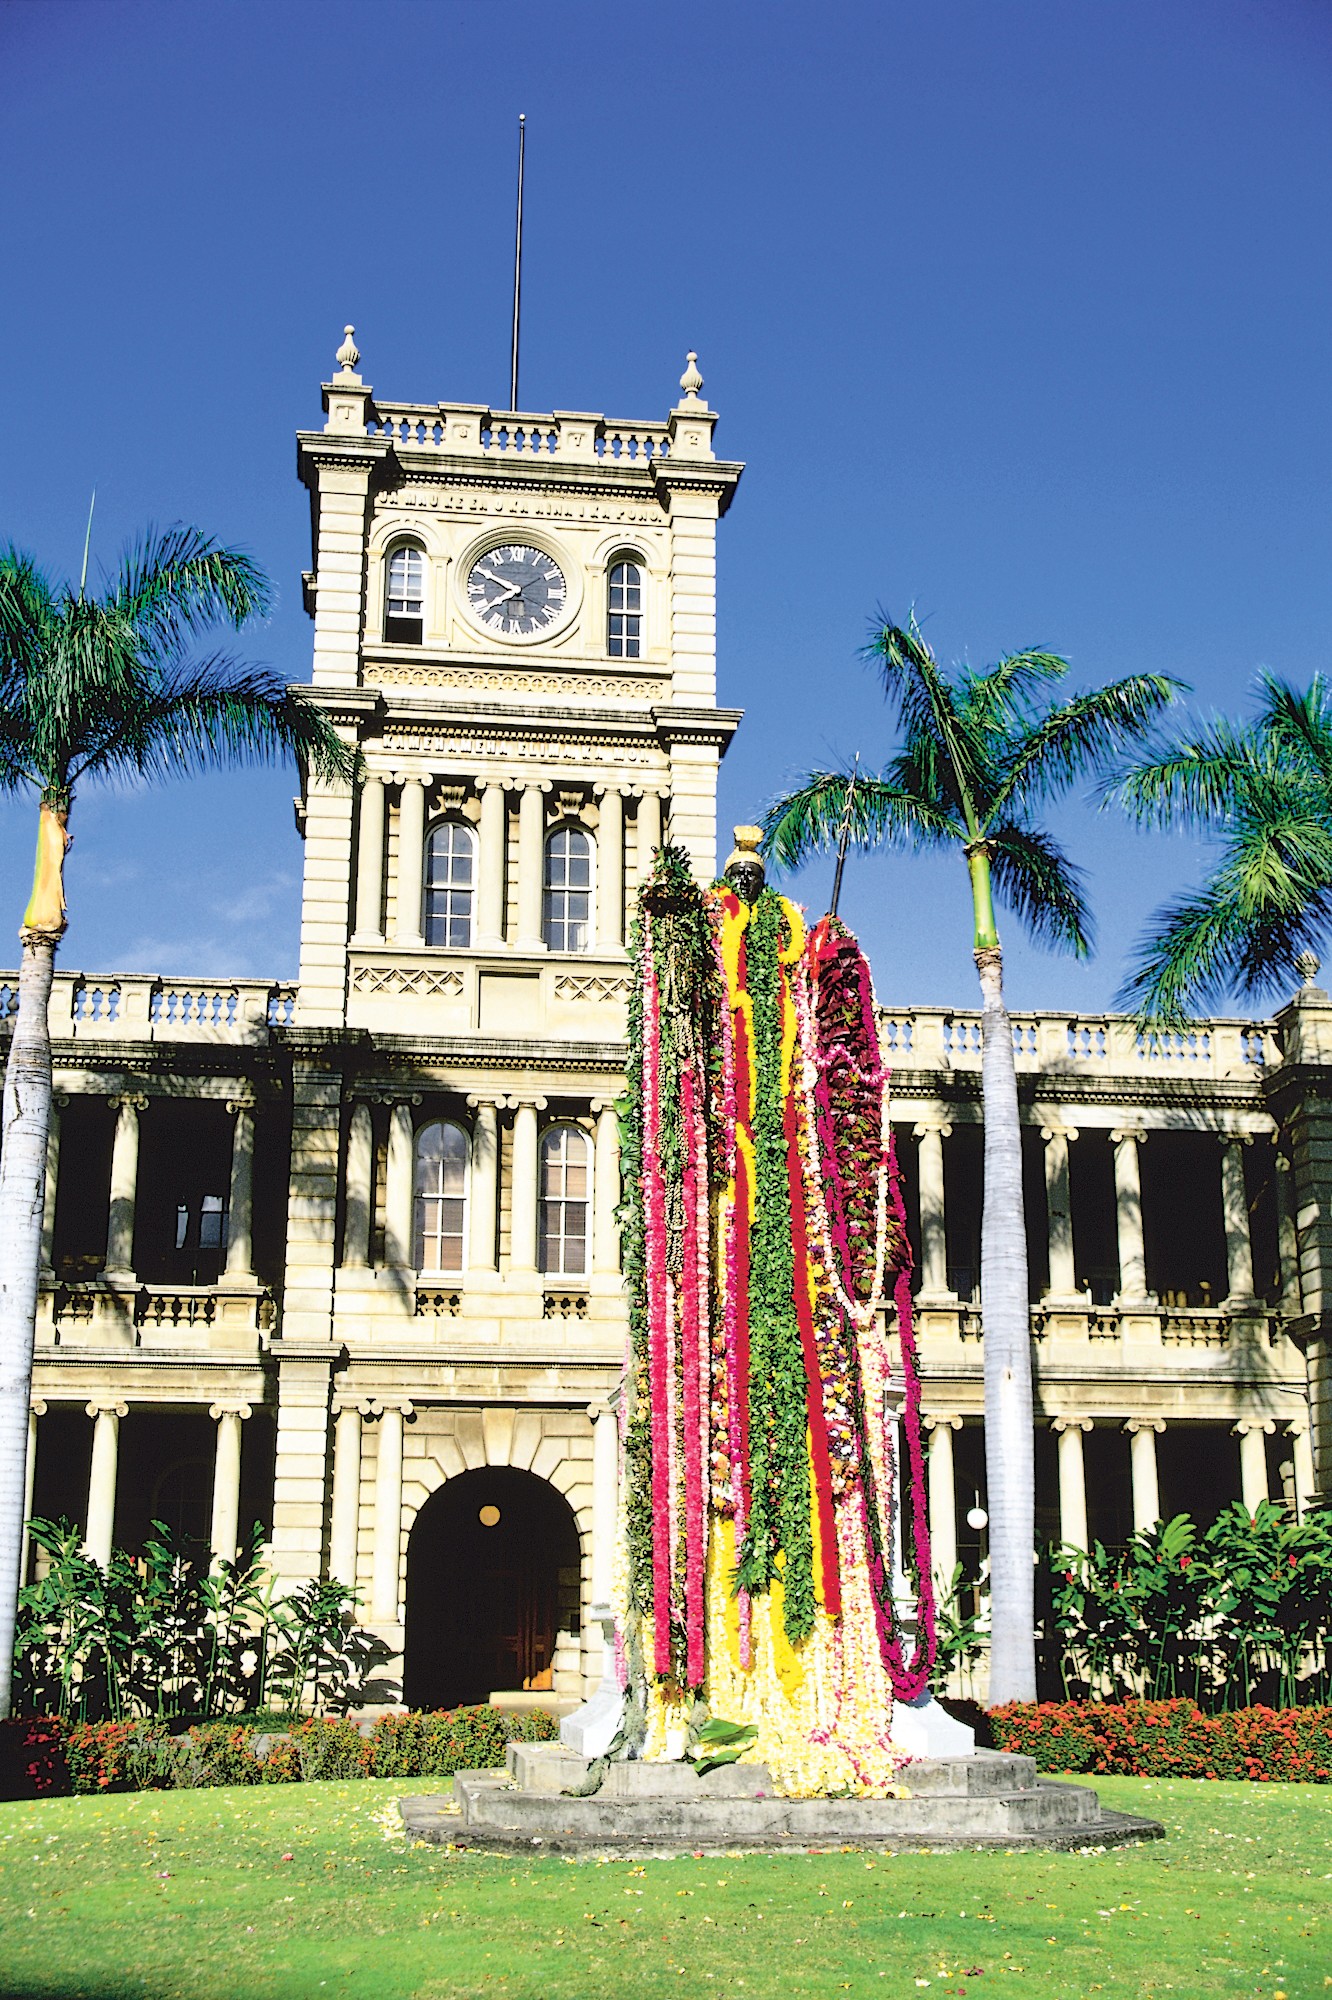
x: 118, y: 1260
x: 483, y: 1188
x: 1142, y: 1433
x: 1133, y: 1287
x: 489, y: 913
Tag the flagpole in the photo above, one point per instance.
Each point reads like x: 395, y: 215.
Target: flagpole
x: 517, y: 266
x: 843, y: 838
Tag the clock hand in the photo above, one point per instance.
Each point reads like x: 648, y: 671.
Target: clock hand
x: 509, y: 589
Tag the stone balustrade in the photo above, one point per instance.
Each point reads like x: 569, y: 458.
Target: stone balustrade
x: 941, y: 1039
x: 104, y: 1314
x: 471, y: 431
x: 130, y: 1006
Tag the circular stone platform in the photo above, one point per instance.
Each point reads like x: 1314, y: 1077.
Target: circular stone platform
x: 988, y: 1799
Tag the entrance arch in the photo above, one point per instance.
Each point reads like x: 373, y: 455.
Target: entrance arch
x: 493, y: 1567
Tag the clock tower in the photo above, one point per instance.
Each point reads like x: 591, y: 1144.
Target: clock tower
x: 515, y: 622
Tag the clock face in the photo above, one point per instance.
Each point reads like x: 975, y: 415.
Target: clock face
x: 516, y: 590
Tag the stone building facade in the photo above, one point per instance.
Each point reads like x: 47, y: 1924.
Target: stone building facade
x: 341, y: 1258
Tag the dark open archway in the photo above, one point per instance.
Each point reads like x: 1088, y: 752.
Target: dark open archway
x: 492, y: 1574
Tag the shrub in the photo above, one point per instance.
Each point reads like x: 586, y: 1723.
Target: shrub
x: 32, y: 1757
x: 1169, y: 1739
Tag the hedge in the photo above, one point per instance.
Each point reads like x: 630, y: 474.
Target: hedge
x: 47, y: 1755
x: 1168, y: 1739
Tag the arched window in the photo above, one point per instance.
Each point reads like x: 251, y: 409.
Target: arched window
x: 439, y: 1211
x: 450, y: 877
x: 564, y: 1202
x: 624, y: 618
x: 566, y: 916
x: 404, y: 595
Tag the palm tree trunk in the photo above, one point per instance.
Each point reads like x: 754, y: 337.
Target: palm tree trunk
x: 26, y: 1114
x: 1005, y: 1316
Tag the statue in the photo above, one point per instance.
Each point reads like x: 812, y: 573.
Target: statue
x: 774, y: 1590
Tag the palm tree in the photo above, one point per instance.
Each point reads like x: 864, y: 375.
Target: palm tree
x: 105, y: 688
x: 980, y: 752
x: 1266, y: 792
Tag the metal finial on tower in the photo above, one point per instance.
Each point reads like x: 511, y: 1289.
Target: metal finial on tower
x: 349, y: 353
x: 691, y: 381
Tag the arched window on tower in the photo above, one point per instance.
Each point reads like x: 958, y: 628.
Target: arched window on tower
x: 564, y: 1202
x: 404, y: 595
x: 624, y: 616
x: 439, y: 1210
x: 566, y: 914
x: 450, y: 883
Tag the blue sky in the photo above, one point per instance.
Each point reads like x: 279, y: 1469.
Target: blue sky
x: 1016, y: 310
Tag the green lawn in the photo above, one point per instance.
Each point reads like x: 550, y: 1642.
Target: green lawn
x: 304, y: 1890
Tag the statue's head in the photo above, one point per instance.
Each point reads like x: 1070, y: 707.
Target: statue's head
x: 745, y: 871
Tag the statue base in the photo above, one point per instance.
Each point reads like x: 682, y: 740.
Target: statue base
x: 986, y: 1798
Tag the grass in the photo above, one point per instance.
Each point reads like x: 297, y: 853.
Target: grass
x: 295, y: 1892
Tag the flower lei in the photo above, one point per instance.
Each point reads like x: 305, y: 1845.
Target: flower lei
x: 764, y: 1233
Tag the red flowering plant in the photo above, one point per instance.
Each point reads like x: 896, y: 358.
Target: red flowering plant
x: 1169, y: 1739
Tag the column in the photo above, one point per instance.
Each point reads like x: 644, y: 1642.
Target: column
x: 1142, y: 1434
x: 491, y: 874
x: 370, y: 863
x: 58, y: 1102
x: 240, y: 1201
x: 1128, y: 1219
x: 36, y: 1409
x: 124, y: 1185
x: 1301, y: 1451
x: 933, y: 1239
x: 483, y: 1188
x: 1288, y: 1247
x: 606, y: 1193
x: 388, y: 1515
x: 226, y: 1479
x: 346, y: 1509
x: 1235, y: 1214
x: 359, y: 1207
x: 1253, y: 1436
x: 943, y: 1498
x: 1059, y: 1214
x: 398, y: 1188
x: 610, y: 871
x: 1072, y: 1481
x: 531, y: 867
x: 649, y: 833
x: 102, y: 1479
x: 605, y: 1459
x: 523, y: 1193
x: 411, y: 863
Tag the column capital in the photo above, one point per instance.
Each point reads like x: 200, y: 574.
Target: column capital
x: 598, y: 1105
x: 1061, y: 1424
x: 484, y: 1101
x: 533, y: 784
x: 609, y: 788
x: 349, y: 1400
x: 246, y: 1103
x: 404, y: 777
x: 926, y: 1125
x: 1246, y: 1425
x: 524, y: 1101
x: 38, y: 1406
x: 241, y: 1410
x: 107, y: 1406
x: 942, y: 1423
x: 1297, y: 1429
x: 382, y: 1406
x: 1059, y: 1131
x: 1235, y: 1138
x: 128, y: 1100
x: 597, y: 1410
x: 1135, y: 1132
x: 1135, y: 1424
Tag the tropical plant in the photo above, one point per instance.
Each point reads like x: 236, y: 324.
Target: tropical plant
x: 1240, y: 1613
x: 106, y: 687
x: 981, y: 753
x: 155, y: 1637
x: 1264, y: 791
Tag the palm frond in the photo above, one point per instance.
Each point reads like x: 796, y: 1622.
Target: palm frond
x: 1034, y: 877
x: 1196, y: 781
x: 926, y: 707
x: 1081, y: 735
x: 1298, y: 724
x: 809, y: 819
x: 28, y: 614
x: 996, y: 699
x: 213, y: 713
x: 178, y: 580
